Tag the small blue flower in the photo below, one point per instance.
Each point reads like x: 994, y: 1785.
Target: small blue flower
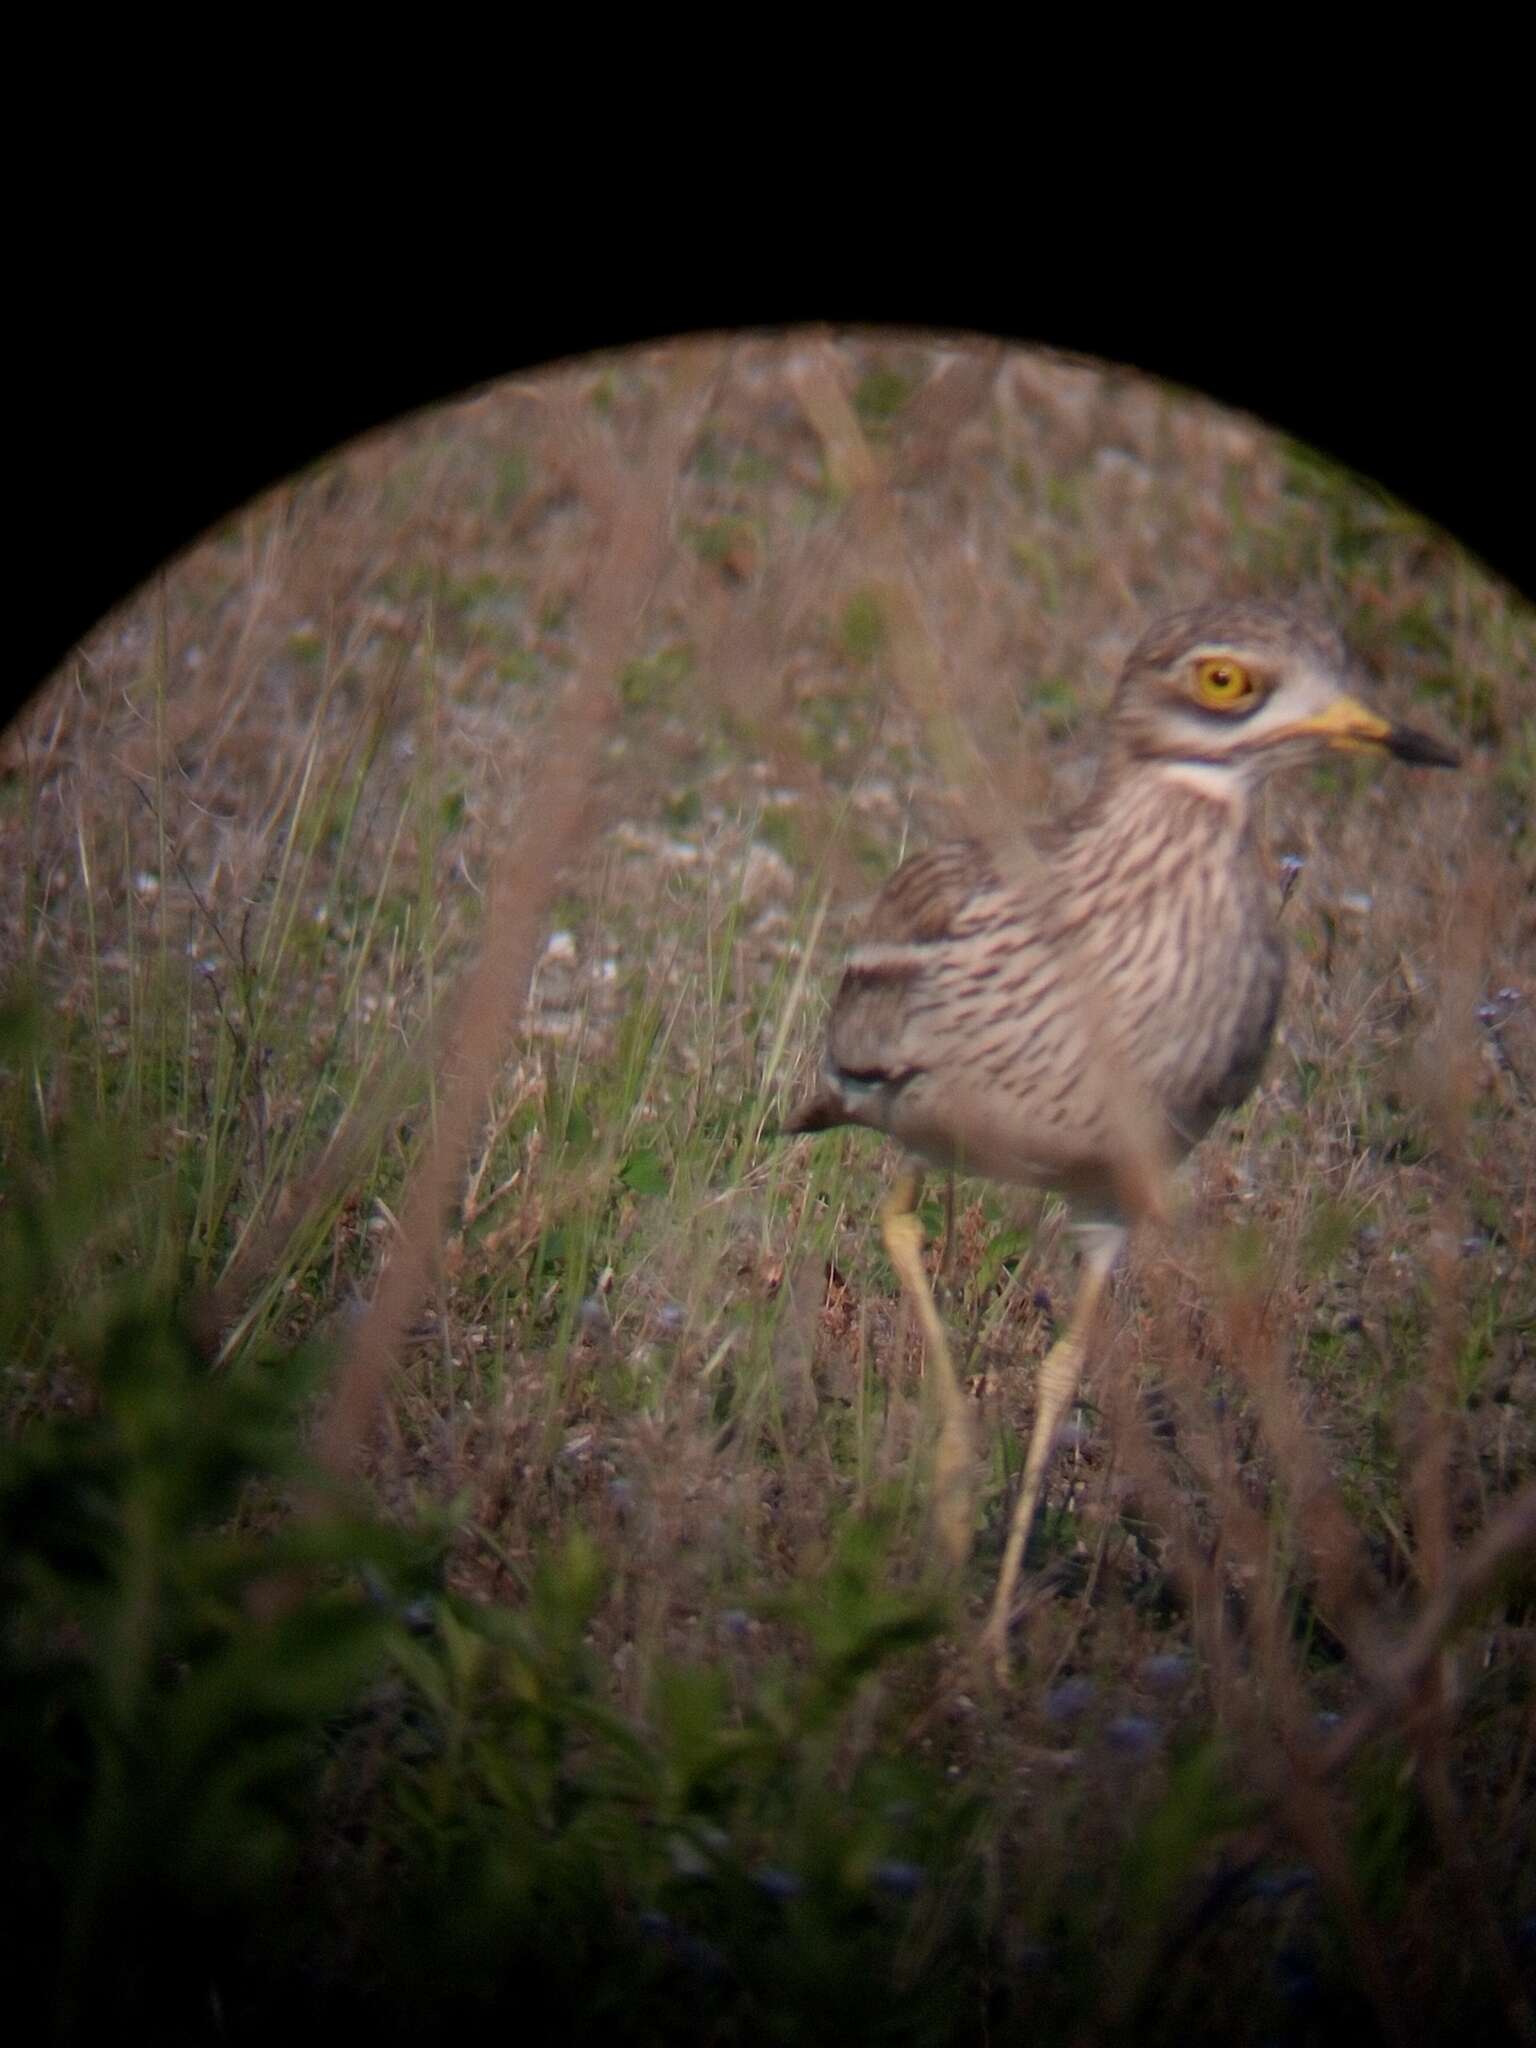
x: 1132, y: 1734
x: 1069, y: 1699
x: 1279, y: 1884
x: 1168, y: 1671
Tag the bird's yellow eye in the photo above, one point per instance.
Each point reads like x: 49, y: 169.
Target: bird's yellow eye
x: 1220, y: 681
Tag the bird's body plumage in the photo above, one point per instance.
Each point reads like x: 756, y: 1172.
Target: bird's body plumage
x: 1074, y: 1011
x: 994, y: 1013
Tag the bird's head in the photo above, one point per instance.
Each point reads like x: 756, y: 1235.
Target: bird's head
x: 1234, y: 691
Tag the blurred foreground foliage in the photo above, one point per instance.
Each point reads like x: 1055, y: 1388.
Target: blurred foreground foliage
x: 261, y: 1758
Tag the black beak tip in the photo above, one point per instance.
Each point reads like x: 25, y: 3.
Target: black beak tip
x: 1419, y: 748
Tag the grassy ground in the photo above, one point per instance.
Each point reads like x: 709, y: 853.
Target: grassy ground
x: 645, y: 673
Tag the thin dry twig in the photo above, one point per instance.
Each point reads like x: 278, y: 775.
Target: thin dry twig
x: 966, y: 775
x: 523, y: 879
x: 1394, y: 1676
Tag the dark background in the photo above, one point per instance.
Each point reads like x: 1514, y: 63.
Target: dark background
x: 168, y: 373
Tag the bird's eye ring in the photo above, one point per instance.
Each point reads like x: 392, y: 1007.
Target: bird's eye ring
x: 1220, y: 681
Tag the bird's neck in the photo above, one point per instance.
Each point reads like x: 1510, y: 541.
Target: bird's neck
x: 1129, y: 788
x: 1215, y: 781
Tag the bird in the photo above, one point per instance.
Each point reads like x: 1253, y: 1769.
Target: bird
x: 1072, y: 1010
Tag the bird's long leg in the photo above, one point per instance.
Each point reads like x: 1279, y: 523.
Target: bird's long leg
x: 902, y: 1230
x: 1058, y: 1382
x: 947, y: 1262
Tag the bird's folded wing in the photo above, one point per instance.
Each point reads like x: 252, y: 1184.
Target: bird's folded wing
x: 875, y: 1030
x: 922, y: 901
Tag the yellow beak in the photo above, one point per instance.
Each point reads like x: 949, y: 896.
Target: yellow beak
x: 1348, y: 724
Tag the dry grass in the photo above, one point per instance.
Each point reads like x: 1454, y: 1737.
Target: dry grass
x: 631, y: 681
